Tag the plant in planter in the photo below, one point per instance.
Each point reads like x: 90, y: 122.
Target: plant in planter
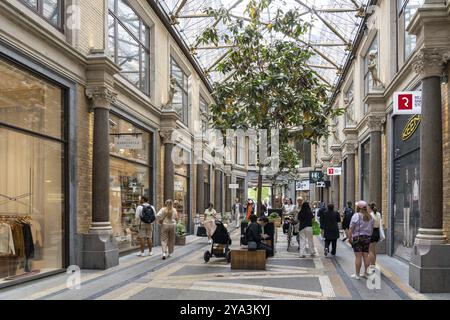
x: 275, y: 218
x: 180, y: 238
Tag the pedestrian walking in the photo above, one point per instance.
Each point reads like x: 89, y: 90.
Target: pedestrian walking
x: 348, y: 214
x: 360, y: 233
x: 320, y: 212
x: 306, y: 231
x: 210, y: 221
x: 167, y: 217
x: 238, y: 211
x: 377, y: 235
x: 145, y: 217
x: 331, y: 218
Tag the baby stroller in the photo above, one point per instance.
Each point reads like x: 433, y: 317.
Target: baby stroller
x: 221, y: 242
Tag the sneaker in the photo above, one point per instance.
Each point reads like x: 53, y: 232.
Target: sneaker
x: 164, y: 256
x: 150, y: 253
x: 345, y: 239
x: 210, y: 241
x: 326, y: 252
x: 140, y: 254
x: 354, y: 276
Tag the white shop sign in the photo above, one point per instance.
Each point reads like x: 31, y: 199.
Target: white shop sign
x: 334, y: 171
x: 128, y: 142
x: 321, y: 184
x: 408, y: 102
x: 234, y: 186
x: 303, y: 185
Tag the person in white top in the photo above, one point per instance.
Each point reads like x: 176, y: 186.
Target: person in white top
x: 167, y: 217
x: 377, y: 235
x: 210, y: 221
x: 238, y: 210
x: 145, y: 229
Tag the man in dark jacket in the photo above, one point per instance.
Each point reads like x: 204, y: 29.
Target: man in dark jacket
x: 254, y: 233
x: 330, y: 220
x: 348, y: 214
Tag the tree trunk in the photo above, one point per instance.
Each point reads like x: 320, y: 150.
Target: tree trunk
x: 259, y: 207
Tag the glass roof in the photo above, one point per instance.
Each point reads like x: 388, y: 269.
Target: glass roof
x: 334, y: 24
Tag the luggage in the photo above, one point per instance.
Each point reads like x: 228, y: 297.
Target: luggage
x: 201, y: 232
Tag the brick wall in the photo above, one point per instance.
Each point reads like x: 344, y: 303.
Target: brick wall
x: 92, y: 21
x: 446, y: 163
x: 85, y: 130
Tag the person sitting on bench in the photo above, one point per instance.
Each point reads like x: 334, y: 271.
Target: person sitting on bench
x: 254, y: 233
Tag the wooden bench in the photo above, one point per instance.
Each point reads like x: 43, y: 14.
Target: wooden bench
x: 243, y: 259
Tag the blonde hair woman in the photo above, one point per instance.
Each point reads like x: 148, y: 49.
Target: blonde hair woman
x: 360, y: 233
x: 167, y: 218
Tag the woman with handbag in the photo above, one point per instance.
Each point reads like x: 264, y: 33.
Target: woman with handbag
x: 210, y: 221
x: 377, y: 235
x: 167, y: 218
x: 360, y: 233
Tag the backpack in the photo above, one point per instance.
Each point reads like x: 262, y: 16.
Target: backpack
x: 148, y: 214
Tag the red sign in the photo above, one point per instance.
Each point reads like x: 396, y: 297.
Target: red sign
x: 405, y: 101
x: 331, y: 171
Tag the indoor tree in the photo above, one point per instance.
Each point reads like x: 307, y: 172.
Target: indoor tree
x: 268, y: 84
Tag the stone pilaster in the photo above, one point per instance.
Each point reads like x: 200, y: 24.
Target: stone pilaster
x: 335, y: 180
x: 349, y: 152
x: 430, y: 261
x: 99, y: 249
x: 375, y: 123
x: 168, y: 125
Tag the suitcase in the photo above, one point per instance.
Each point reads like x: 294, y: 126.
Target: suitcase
x: 201, y: 232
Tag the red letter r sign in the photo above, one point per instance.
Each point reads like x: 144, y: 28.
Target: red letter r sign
x: 405, y: 101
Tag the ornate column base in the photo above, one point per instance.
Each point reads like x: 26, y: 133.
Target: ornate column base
x: 100, y: 250
x: 429, y: 268
x: 430, y: 237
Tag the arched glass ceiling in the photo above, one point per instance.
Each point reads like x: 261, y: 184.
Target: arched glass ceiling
x: 334, y: 27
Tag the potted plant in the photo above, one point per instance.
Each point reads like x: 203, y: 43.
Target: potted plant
x: 275, y: 218
x: 180, y: 239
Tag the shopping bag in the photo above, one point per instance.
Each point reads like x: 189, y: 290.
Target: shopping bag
x: 316, y: 228
x: 201, y: 231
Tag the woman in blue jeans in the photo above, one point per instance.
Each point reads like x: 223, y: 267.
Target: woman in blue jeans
x: 360, y: 233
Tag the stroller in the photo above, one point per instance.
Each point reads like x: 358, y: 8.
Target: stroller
x: 220, y: 246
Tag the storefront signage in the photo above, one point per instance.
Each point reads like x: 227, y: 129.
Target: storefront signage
x: 303, y: 185
x: 334, y: 171
x: 408, y: 102
x: 321, y: 184
x: 234, y: 186
x: 315, y: 177
x: 178, y: 186
x: 411, y: 127
x: 128, y: 142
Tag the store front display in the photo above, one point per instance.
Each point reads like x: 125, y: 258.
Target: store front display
x: 32, y: 174
x: 182, y: 194
x: 406, y: 217
x: 130, y: 176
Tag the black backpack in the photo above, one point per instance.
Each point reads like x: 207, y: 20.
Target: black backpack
x: 148, y: 214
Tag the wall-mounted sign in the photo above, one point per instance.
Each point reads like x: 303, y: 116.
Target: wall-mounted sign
x: 408, y: 102
x: 334, y: 171
x: 321, y: 184
x: 234, y: 186
x: 302, y: 185
x: 411, y: 127
x: 128, y: 142
x: 178, y: 186
x: 315, y: 177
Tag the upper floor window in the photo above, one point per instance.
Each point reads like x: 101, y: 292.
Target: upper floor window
x: 129, y: 43
x: 180, y: 100
x: 304, y: 150
x: 50, y: 10
x: 407, y: 42
x: 240, y: 149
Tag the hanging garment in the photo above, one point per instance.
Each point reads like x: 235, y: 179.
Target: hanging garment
x: 17, y: 233
x: 6, y: 240
x: 28, y: 241
x: 36, y: 231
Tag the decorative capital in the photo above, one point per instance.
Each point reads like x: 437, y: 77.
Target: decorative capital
x: 349, y: 148
x: 375, y: 122
x: 101, y: 96
x: 166, y: 135
x: 431, y: 62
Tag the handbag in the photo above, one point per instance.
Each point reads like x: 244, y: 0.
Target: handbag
x: 201, y: 231
x: 252, y: 245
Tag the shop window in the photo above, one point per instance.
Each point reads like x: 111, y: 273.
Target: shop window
x: 130, y: 176
x: 406, y: 42
x: 50, y: 10
x: 32, y: 170
x: 129, y: 44
x: 204, y: 113
x: 181, y: 191
x: 181, y: 98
